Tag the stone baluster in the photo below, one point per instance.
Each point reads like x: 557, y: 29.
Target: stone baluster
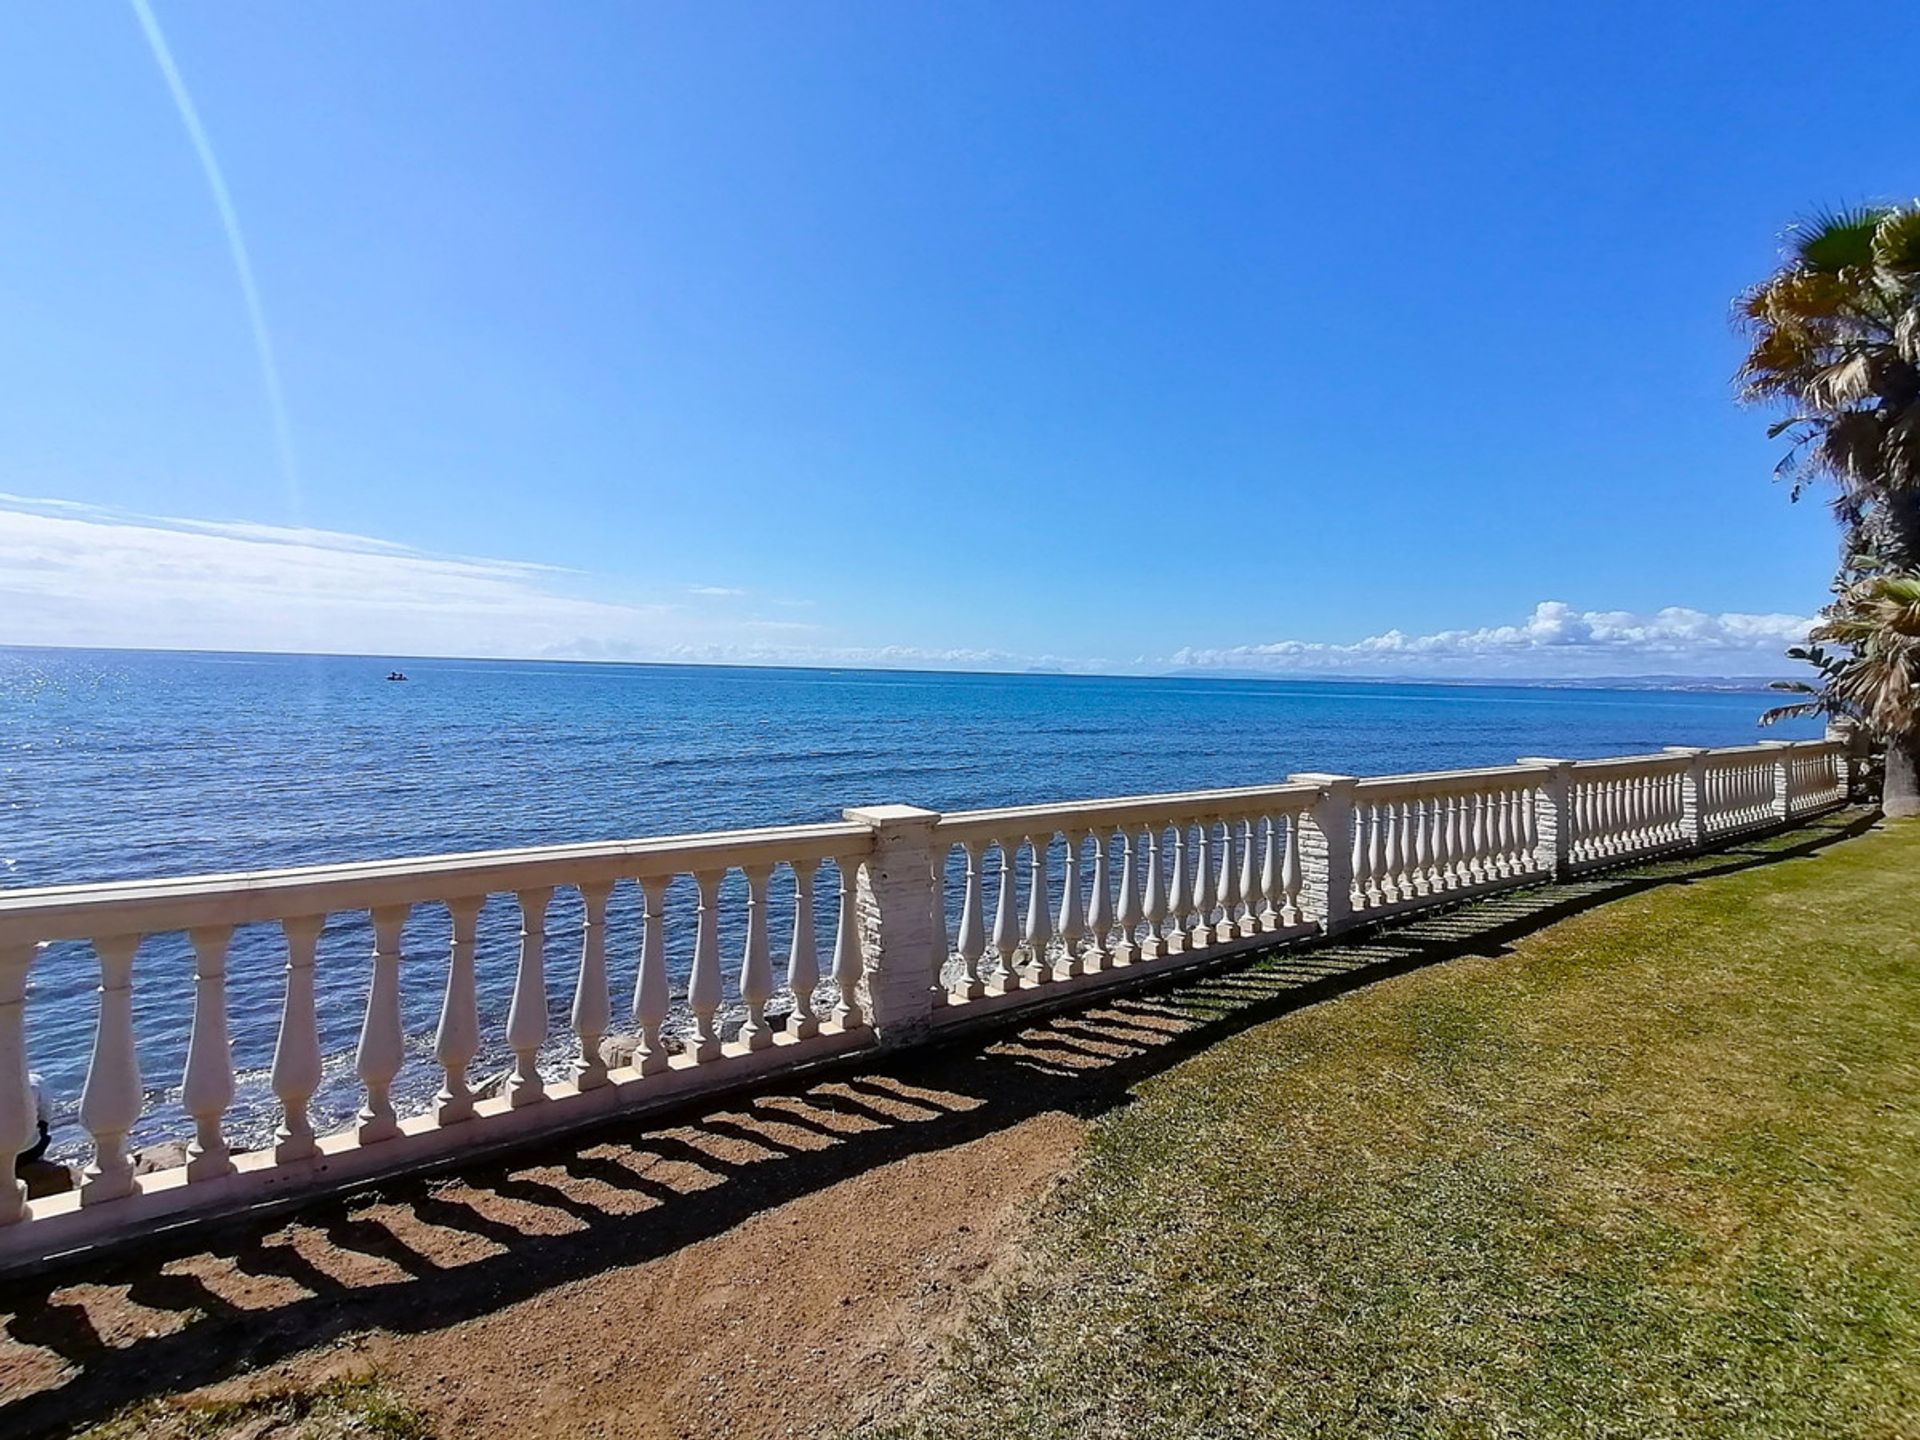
x: 1270, y: 861
x: 756, y: 962
x: 1377, y: 891
x: 1006, y: 922
x: 803, y: 954
x: 1073, y: 923
x: 704, y: 986
x: 527, y: 1011
x: 1426, y: 880
x: 1529, y: 840
x: 1039, y: 932
x: 1099, y: 905
x: 1458, y: 834
x: 650, y: 991
x: 381, y: 1037
x: 17, y: 1112
x: 973, y: 931
x: 847, y: 959
x: 296, y: 1051
x: 592, y: 1001
x: 1226, y: 885
x: 1153, y: 943
x: 1392, y: 880
x: 458, y: 1039
x: 1253, y: 894
x: 1201, y: 921
x: 1482, y: 871
x: 1290, y: 878
x: 1127, y: 918
x: 1357, y: 862
x: 206, y: 1087
x: 110, y: 1099
x: 1176, y: 939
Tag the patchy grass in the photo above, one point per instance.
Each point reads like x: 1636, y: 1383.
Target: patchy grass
x: 1654, y: 1172
x: 332, y: 1411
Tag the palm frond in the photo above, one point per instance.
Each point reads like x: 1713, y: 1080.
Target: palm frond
x: 1836, y: 240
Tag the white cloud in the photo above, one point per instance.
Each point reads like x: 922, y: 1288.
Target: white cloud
x: 1555, y: 640
x: 74, y: 574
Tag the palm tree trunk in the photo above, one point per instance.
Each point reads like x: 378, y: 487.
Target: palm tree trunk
x: 1902, y: 795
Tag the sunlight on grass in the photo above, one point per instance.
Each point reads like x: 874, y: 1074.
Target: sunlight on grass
x: 1650, y: 1173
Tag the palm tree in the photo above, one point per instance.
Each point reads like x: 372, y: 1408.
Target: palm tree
x: 1877, y: 619
x: 1834, y: 338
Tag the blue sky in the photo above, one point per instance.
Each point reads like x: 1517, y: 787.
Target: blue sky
x: 1386, y: 338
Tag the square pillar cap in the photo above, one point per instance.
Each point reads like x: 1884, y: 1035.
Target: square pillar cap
x: 889, y: 815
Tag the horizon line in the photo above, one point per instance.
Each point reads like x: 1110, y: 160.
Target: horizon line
x: 1596, y: 682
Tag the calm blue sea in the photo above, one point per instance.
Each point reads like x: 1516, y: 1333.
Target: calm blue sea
x: 125, y: 764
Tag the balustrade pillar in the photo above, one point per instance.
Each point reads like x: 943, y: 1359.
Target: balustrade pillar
x: 803, y: 955
x: 1553, y: 815
x: 296, y: 1051
x: 1176, y: 939
x: 1127, y: 917
x: 457, y: 1040
x: 1227, y: 886
x: 1693, y: 795
x: 592, y: 1002
x: 973, y: 919
x: 1006, y: 924
x: 206, y: 1086
x: 650, y: 995
x: 1270, y: 887
x: 1099, y: 905
x: 1152, y: 943
x: 381, y: 1037
x: 1780, y: 801
x: 1324, y: 836
x: 1200, y: 923
x: 902, y: 947
x: 1252, y: 890
x: 756, y: 963
x: 1039, y: 931
x: 1073, y: 924
x: 848, y: 967
x: 110, y: 1099
x: 704, y: 985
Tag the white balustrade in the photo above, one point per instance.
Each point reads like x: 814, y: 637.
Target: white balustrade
x: 1412, y: 842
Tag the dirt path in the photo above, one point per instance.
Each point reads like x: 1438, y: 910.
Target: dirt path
x: 787, y: 1266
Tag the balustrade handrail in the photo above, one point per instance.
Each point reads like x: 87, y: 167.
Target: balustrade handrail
x: 122, y: 907
x: 1144, y: 884
x: 1443, y: 781
x: 1124, y: 810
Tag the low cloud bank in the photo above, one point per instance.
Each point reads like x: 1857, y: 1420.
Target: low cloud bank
x: 1555, y: 640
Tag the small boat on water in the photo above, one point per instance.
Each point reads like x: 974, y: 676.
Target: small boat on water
x: 395, y: 675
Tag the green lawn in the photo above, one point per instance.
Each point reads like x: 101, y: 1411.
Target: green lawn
x: 1654, y: 1171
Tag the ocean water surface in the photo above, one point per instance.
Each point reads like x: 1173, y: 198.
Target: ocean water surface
x: 118, y: 765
